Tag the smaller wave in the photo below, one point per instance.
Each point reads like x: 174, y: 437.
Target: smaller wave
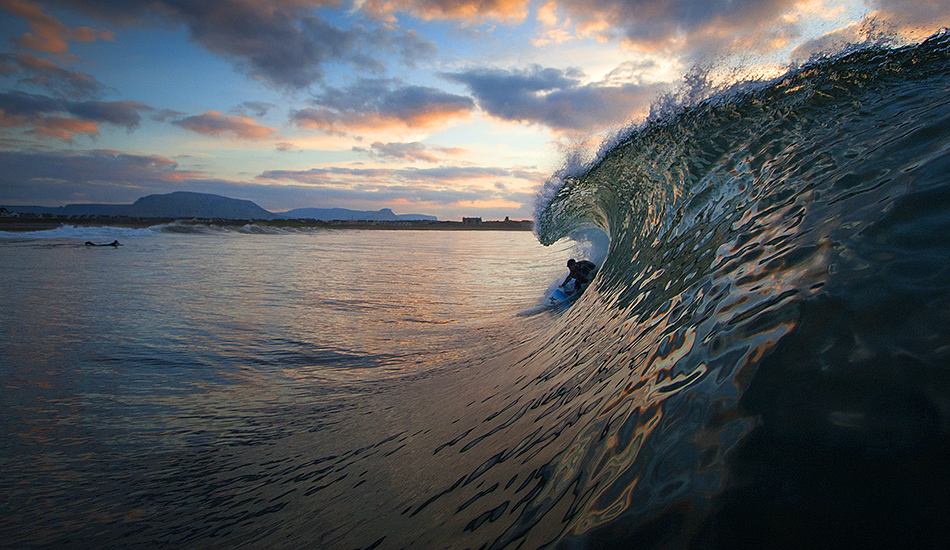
x: 86, y: 233
x: 190, y: 228
x: 95, y: 233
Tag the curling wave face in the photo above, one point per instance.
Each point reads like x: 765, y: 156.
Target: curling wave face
x: 766, y: 342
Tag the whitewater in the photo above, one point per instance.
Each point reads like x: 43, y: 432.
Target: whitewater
x: 761, y: 361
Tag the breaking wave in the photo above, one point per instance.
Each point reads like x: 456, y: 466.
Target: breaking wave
x: 766, y: 344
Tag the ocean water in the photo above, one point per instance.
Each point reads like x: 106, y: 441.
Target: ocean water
x: 170, y: 390
x: 761, y: 362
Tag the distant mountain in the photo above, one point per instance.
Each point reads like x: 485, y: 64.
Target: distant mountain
x: 330, y: 214
x: 180, y: 204
x: 184, y: 204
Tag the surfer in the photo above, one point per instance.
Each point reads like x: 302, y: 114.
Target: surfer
x: 581, y: 272
x: 113, y: 244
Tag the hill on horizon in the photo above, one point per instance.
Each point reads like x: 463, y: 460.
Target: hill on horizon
x: 384, y: 214
x: 188, y: 204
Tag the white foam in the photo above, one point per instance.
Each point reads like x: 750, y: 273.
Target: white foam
x: 81, y: 232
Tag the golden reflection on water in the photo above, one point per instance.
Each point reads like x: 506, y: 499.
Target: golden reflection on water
x: 118, y: 368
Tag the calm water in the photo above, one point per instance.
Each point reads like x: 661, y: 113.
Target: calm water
x: 130, y: 378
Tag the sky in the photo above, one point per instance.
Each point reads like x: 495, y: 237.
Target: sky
x: 449, y: 108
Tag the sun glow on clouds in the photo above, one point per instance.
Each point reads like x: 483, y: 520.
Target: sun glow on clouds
x: 410, y: 152
x: 382, y: 105
x: 215, y: 124
x: 556, y: 28
x: 824, y: 9
x: 372, y: 102
x: 509, y: 11
x: 63, y: 128
x: 47, y: 33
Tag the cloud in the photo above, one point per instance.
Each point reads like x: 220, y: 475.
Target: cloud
x: 280, y: 41
x: 446, y: 190
x: 373, y: 104
x: 414, y: 151
x: 413, y: 47
x: 554, y: 97
x: 695, y: 31
x: 162, y: 115
x: 215, y: 124
x: 60, y: 177
x: 275, y: 42
x: 64, y: 128
x: 257, y: 109
x: 462, y: 10
x: 23, y: 104
x: 49, y: 76
x: 95, y: 176
x: 49, y: 35
x: 445, y: 202
x: 439, y: 177
x: 113, y: 177
x: 43, y: 116
x: 555, y: 28
x: 117, y: 113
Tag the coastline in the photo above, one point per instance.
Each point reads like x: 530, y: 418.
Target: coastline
x: 40, y: 223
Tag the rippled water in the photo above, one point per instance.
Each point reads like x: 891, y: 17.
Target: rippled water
x: 761, y: 362
x: 177, y: 387
x: 775, y: 304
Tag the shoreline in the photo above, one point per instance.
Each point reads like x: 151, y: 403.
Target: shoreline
x: 27, y: 224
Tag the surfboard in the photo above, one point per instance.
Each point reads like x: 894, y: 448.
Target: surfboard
x: 561, y: 295
x: 555, y: 299
x: 570, y: 292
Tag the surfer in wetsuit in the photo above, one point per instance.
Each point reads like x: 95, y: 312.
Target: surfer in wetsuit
x: 113, y: 244
x: 581, y: 272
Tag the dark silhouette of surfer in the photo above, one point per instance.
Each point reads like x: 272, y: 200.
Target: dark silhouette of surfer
x: 582, y: 273
x: 113, y: 244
